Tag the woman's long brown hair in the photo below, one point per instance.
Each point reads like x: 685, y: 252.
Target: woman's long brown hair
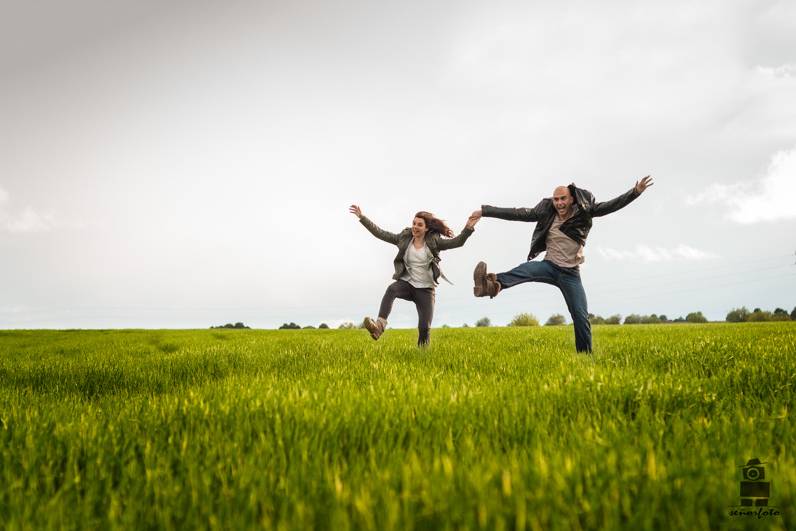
x: 435, y: 224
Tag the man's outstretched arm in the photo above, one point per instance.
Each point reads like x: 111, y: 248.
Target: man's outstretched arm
x: 606, y: 207
x: 511, y: 214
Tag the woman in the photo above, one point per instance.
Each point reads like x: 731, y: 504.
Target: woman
x: 416, y: 266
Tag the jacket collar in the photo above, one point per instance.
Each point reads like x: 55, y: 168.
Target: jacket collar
x: 583, y: 198
x: 432, y: 241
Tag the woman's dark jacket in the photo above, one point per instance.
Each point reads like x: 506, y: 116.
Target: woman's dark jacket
x: 577, y: 227
x: 403, y: 239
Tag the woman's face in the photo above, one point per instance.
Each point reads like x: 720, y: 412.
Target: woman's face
x: 419, y: 227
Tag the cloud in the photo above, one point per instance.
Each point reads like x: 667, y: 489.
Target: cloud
x: 28, y: 220
x: 769, y: 198
x: 781, y: 71
x: 645, y: 253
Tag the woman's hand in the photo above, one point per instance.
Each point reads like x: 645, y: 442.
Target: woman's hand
x: 473, y: 219
x: 354, y: 209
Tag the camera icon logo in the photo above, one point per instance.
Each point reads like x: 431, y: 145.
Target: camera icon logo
x: 754, y: 491
x: 753, y: 471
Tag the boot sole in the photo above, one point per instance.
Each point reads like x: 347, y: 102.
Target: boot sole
x: 373, y: 328
x: 479, y: 278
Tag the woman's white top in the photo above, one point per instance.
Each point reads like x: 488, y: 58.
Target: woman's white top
x: 418, y: 272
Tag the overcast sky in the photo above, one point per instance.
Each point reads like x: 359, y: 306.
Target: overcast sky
x: 187, y: 164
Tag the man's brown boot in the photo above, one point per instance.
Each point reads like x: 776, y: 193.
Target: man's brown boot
x: 376, y: 328
x: 486, y: 284
x: 493, y: 287
x: 479, y: 278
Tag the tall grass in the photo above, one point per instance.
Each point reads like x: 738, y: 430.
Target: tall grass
x: 497, y: 428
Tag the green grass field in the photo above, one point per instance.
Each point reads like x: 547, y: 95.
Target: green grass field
x: 500, y: 428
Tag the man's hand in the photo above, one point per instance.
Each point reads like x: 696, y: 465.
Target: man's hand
x: 643, y: 184
x: 354, y: 209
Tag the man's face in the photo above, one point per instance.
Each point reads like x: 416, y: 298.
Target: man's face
x: 562, y: 200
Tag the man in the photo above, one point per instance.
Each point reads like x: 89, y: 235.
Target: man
x: 562, y: 225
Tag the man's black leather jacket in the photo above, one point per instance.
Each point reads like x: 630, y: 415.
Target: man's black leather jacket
x: 577, y: 227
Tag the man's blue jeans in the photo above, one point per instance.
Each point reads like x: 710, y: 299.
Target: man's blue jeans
x: 565, y: 279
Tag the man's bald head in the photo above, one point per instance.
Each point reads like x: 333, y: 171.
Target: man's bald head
x: 562, y: 201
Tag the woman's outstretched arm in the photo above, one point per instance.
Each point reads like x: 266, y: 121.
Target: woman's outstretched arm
x: 466, y: 232
x: 381, y: 234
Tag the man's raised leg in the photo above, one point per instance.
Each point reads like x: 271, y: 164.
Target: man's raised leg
x: 542, y: 271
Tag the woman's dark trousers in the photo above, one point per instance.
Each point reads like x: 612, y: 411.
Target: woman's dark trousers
x: 423, y: 299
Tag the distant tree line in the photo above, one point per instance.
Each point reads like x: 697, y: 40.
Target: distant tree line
x: 293, y: 326
x: 743, y: 315
x: 323, y: 326
x: 693, y: 317
x: 230, y: 325
x: 736, y: 315
x: 612, y: 320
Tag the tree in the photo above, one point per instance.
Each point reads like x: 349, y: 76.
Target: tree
x: 759, y: 316
x: 309, y: 327
x: 524, y: 319
x: 289, y: 326
x: 484, y: 321
x: 615, y: 319
x: 650, y: 319
x: 780, y: 315
x: 662, y: 318
x: 793, y: 314
x: 347, y: 325
x: 323, y: 326
x: 596, y: 319
x: 737, y: 315
x: 696, y: 317
x: 633, y: 319
x: 230, y: 325
x: 556, y: 319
